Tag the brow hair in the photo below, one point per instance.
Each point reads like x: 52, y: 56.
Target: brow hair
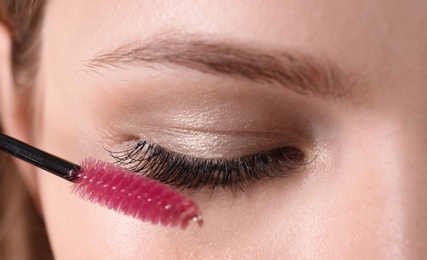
x: 298, y: 72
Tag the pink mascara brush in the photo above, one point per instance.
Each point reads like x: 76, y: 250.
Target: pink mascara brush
x: 113, y: 187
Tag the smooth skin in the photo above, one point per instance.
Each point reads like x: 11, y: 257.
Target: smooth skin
x: 364, y: 195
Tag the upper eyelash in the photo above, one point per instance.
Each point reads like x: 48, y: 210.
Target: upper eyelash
x: 186, y: 172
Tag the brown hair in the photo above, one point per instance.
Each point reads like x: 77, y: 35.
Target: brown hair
x: 22, y: 232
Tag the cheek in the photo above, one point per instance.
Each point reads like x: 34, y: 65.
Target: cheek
x: 80, y: 230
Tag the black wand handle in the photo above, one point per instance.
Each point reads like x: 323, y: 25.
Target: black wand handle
x: 39, y: 158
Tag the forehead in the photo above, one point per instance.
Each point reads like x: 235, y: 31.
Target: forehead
x: 284, y: 24
x: 369, y: 39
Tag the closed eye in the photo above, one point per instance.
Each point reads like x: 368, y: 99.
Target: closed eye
x: 186, y: 172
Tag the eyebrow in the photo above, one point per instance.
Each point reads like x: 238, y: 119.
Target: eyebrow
x: 295, y: 71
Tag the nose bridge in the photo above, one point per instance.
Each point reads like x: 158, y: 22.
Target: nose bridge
x: 395, y: 182
x: 407, y: 178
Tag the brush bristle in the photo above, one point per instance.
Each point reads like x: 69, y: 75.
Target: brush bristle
x: 134, y: 195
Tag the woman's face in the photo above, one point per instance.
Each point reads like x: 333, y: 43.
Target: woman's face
x: 343, y: 82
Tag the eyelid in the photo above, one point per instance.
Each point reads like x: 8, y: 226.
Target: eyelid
x: 212, y: 144
x: 186, y: 172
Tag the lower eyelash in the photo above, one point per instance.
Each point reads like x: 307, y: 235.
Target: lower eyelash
x: 186, y: 172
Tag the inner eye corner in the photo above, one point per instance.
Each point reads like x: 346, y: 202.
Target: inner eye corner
x: 300, y: 155
x: 293, y: 153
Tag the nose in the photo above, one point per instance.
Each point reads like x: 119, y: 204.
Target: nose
x: 384, y: 192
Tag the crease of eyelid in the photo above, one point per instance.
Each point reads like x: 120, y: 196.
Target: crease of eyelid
x: 271, y: 133
x: 212, y: 146
x: 296, y: 136
x: 296, y: 71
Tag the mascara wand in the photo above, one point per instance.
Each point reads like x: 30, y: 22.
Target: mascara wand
x: 113, y: 187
